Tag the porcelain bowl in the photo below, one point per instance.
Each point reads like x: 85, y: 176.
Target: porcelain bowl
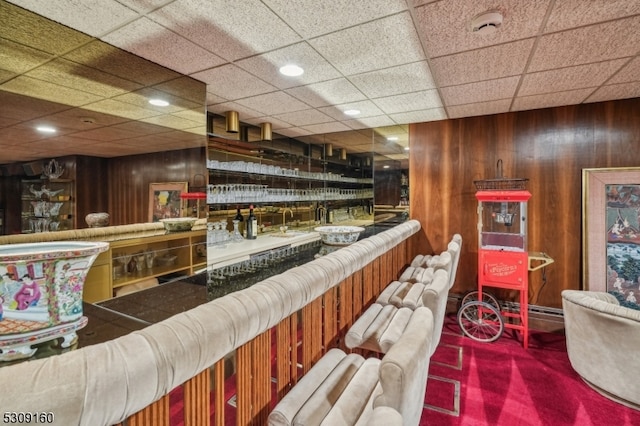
x: 97, y: 220
x: 339, y: 235
x: 179, y: 223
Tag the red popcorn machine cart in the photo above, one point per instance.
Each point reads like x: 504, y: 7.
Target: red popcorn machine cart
x: 503, y: 261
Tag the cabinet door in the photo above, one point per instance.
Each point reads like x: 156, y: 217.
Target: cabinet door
x: 97, y: 286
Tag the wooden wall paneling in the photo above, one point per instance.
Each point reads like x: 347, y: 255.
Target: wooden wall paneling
x: 330, y: 319
x: 92, y: 189
x: 130, y: 177
x: 219, y: 392
x: 243, y: 384
x: 156, y: 414
x: 346, y: 316
x: 196, y: 400
x: 550, y: 147
x: 284, y: 351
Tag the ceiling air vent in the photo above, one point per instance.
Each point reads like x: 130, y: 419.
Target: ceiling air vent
x: 487, y: 22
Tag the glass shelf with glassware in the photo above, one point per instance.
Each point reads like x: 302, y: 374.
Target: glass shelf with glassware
x: 47, y: 205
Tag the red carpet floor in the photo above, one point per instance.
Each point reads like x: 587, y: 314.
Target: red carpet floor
x: 499, y: 383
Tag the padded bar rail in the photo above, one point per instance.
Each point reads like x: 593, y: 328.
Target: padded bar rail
x: 103, y: 384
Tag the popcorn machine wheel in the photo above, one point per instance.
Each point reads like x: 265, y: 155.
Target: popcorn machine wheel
x: 503, y: 260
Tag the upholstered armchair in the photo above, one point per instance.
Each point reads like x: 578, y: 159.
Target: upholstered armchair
x: 603, y: 343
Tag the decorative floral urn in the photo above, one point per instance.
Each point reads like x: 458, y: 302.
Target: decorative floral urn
x: 41, y: 293
x: 97, y: 220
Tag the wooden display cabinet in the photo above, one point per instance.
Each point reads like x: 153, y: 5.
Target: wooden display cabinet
x: 146, y: 257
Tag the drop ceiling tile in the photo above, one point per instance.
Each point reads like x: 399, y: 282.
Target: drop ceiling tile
x: 366, y: 108
x: 630, y: 72
x: 446, y: 25
x: 395, y: 80
x: 336, y: 91
x: 72, y: 75
x: 549, y: 100
x: 425, y: 99
x: 120, y: 109
x: 145, y: 5
x: 87, y: 16
x: 47, y: 91
x: 267, y: 65
x: 273, y: 103
x: 484, y: 108
x: 312, y: 18
x: 563, y: 79
x: 433, y: 114
x: 366, y: 47
x: 488, y: 90
x: 616, y: 91
x: 228, y: 28
x: 294, y: 132
x: 245, y: 113
x: 304, y: 117
x: 232, y: 82
x: 595, y: 43
x: 576, y: 13
x: 151, y: 41
x: 213, y: 99
x: 369, y: 122
x: 18, y: 26
x: 170, y: 121
x: 326, y: 127
x: 18, y: 58
x: 110, y: 59
x: 504, y: 60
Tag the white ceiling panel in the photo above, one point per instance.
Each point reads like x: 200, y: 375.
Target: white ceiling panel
x: 304, y: 118
x: 616, y: 91
x: 433, y: 114
x: 482, y: 91
x: 630, y: 72
x: 331, y: 92
x: 504, y: 60
x: 447, y: 24
x: 570, y: 78
x: 483, y: 108
x: 405, y: 78
x: 273, y: 103
x: 415, y: 101
x: 368, y: 47
x: 231, y: 82
x: 312, y: 18
x: 267, y: 66
x: 151, y: 41
x: 232, y: 29
x: 568, y: 14
x: 550, y: 100
x: 595, y: 43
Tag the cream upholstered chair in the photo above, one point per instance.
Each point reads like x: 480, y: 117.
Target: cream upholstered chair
x: 603, y: 340
x: 380, y: 326
x: 347, y: 389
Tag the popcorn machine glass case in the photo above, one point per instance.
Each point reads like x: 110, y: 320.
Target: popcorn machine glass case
x: 502, y: 238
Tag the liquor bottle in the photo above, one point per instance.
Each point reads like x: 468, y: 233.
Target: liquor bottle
x: 240, y: 220
x: 252, y: 225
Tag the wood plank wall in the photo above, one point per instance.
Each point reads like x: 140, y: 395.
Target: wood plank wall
x: 550, y: 147
x: 129, y: 179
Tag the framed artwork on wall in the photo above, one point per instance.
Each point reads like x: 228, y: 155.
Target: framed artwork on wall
x: 611, y: 232
x: 164, y: 200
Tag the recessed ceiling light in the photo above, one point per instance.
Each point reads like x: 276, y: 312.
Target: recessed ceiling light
x: 291, y: 70
x: 406, y: 148
x: 352, y: 112
x: 46, y: 129
x: 392, y: 138
x: 158, y: 102
x: 385, y: 166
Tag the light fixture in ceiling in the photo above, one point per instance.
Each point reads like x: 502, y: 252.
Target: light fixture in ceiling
x: 46, y: 129
x: 487, y: 22
x: 386, y: 166
x: 343, y: 153
x: 291, y: 70
x: 406, y: 148
x: 159, y: 102
x: 392, y: 138
x: 352, y: 112
x: 265, y: 131
x: 232, y: 121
